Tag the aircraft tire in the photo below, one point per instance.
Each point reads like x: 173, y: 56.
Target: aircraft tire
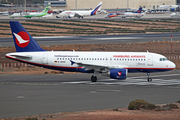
x: 93, y: 78
x: 149, y: 79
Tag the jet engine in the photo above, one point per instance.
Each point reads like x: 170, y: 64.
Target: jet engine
x: 119, y: 74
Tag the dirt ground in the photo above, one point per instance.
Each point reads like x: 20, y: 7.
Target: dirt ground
x: 109, y: 114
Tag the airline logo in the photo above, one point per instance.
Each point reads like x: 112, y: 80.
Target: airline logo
x: 139, y: 11
x: 22, y: 39
x: 119, y: 73
x: 95, y: 10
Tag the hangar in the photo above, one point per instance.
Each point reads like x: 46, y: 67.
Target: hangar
x: 107, y: 4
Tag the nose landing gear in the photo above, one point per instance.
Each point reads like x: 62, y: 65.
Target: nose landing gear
x: 149, y: 79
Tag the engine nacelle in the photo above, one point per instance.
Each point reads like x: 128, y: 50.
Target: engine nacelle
x: 120, y: 74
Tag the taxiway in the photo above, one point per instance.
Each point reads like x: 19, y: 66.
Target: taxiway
x: 23, y: 95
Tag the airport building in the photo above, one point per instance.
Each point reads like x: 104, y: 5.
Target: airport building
x: 108, y: 4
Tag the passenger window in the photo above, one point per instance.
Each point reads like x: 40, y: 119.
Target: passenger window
x: 57, y: 58
x: 161, y: 59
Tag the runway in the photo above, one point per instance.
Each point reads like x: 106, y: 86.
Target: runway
x: 23, y: 95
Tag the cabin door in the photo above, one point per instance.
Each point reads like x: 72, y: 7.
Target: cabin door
x: 150, y: 60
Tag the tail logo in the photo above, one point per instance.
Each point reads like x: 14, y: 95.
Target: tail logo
x: 119, y: 73
x: 22, y: 39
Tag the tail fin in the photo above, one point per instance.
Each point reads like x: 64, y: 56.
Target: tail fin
x: 22, y: 39
x: 45, y: 10
x: 96, y: 9
x: 139, y: 10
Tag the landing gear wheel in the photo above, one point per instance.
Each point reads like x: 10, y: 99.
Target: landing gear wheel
x: 149, y: 79
x: 93, y: 78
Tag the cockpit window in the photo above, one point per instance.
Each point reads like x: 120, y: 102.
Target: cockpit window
x: 163, y: 59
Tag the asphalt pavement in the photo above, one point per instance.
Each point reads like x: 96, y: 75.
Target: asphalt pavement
x: 24, y: 95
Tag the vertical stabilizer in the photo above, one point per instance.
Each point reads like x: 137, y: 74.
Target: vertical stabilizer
x: 139, y: 10
x: 98, y: 8
x: 22, y: 39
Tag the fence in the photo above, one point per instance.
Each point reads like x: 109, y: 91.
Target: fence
x: 11, y: 65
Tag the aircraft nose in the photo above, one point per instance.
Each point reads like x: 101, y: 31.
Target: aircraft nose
x: 173, y: 65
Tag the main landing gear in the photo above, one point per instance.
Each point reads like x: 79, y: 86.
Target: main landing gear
x: 93, y: 78
x: 149, y: 79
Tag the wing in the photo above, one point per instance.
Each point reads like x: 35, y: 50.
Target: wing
x: 97, y: 67
x: 78, y: 15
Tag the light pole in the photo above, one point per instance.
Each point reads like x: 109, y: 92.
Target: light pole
x: 127, y: 4
x: 76, y: 4
x: 25, y: 5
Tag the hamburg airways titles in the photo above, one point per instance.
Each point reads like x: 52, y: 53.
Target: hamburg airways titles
x: 129, y: 56
x: 66, y: 55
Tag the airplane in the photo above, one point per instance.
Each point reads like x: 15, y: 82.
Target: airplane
x: 31, y: 14
x: 175, y: 14
x: 138, y: 14
x: 112, y: 15
x: 81, y: 14
x: 167, y: 7
x: 115, y: 65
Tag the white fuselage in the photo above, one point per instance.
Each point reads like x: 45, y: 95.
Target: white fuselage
x: 72, y: 13
x: 129, y: 14
x: 132, y: 61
